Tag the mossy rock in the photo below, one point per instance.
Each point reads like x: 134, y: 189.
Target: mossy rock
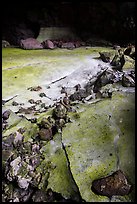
x: 91, y: 143
x: 15, y: 123
x: 129, y: 63
x: 59, y: 178
x: 86, y: 150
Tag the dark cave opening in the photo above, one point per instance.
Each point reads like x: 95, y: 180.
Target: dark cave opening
x: 112, y: 21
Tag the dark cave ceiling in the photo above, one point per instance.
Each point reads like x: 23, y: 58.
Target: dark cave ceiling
x: 111, y: 20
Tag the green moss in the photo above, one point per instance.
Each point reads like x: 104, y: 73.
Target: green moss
x: 25, y: 68
x: 59, y: 176
x: 43, y: 169
x: 129, y: 63
x: 46, y: 114
x: 12, y: 57
x: 89, y: 139
x: 90, y: 142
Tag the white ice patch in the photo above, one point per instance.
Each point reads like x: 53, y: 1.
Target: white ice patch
x: 80, y: 74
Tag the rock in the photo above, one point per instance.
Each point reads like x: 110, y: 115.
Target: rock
x: 6, y: 155
x: 122, y: 62
x: 77, y: 44
x: 39, y: 196
x: 97, y: 85
x: 15, y: 165
x: 127, y: 51
x: 35, y: 148
x: 132, y: 74
x: 23, y: 182
x: 116, y: 47
x: 68, y: 45
x: 15, y: 200
x: 28, y: 110
x: 6, y: 114
x: 15, y: 30
x: 77, y: 87
x: 5, y: 44
x: 60, y: 123
x: 107, y: 77
x: 63, y: 90
x: 8, y: 141
x: 79, y: 95
x: 35, y: 88
x: 21, y: 195
x: 115, y: 184
x: 42, y: 95
x: 58, y: 43
x: 132, y: 55
x: 104, y: 78
x: 45, y: 134
x: 60, y: 111
x: 105, y: 92
x: 115, y: 61
x: 127, y: 81
x: 129, y: 62
x: 44, y: 123
x: 48, y: 44
x: 30, y: 44
x: 18, y: 139
x: 31, y: 101
x: 118, y: 61
x: 105, y: 56
x: 4, y: 125
x: 38, y: 102
x: 66, y: 101
x: 14, y: 103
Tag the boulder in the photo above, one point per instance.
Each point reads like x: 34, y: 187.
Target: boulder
x: 128, y: 80
x: 105, y: 56
x: 48, y: 44
x: 5, y: 43
x: 30, y: 44
x: 68, y: 45
x: 115, y: 184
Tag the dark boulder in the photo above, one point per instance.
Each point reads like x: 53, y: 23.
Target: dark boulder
x: 128, y: 80
x: 5, y: 44
x: 118, y: 61
x: 105, y: 56
x: 79, y: 95
x: 115, y: 184
x: 30, y: 44
x: 16, y: 29
x: 48, y: 44
x: 45, y: 134
x: 128, y: 50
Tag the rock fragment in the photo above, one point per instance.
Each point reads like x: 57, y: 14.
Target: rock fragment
x: 115, y: 184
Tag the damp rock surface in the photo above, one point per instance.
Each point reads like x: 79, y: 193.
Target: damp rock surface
x: 95, y: 140
x: 67, y: 120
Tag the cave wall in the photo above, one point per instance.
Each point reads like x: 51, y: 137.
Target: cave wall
x: 114, y: 21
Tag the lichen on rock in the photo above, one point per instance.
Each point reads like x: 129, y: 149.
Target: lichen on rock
x: 55, y: 147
